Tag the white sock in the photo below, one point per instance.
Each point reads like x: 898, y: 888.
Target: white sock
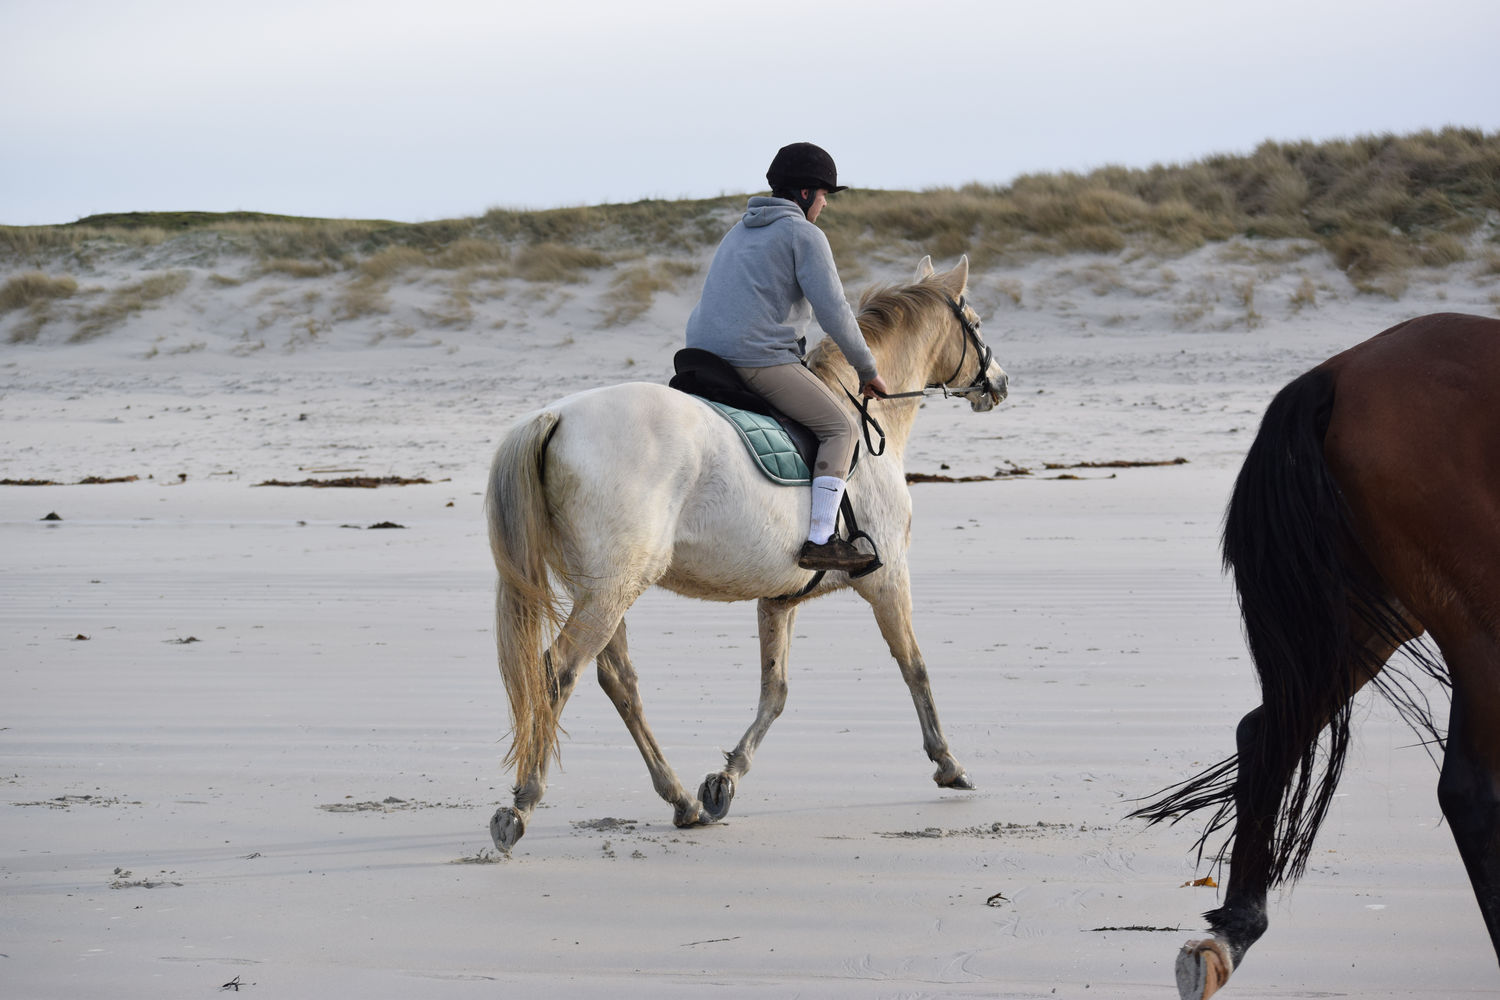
x: 827, y: 491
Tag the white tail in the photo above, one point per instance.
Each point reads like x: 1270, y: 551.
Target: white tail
x: 527, y: 613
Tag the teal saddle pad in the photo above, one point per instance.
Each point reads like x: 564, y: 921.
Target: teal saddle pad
x: 769, y: 442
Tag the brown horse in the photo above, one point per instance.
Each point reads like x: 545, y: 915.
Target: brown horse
x: 1367, y: 511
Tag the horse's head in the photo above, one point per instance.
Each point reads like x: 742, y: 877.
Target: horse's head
x: 981, y: 379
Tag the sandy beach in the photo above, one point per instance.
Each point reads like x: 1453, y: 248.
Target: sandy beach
x: 251, y: 737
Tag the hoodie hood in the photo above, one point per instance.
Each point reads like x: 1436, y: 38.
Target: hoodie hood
x: 763, y: 211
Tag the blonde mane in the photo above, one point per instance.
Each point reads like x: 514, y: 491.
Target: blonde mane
x: 886, y: 313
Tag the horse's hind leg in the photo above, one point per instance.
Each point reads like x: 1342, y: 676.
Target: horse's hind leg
x: 776, y: 619
x: 1469, y: 789
x: 580, y: 640
x: 1266, y: 762
x: 1267, y: 758
x: 891, y: 602
x: 618, y: 678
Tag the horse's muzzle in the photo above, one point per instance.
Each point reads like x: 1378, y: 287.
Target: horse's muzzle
x: 996, y: 388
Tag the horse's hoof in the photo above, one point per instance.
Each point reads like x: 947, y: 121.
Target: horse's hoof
x: 961, y: 782
x: 1202, y: 968
x: 506, y: 827
x: 716, y: 792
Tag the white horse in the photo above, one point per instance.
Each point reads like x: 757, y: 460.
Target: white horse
x: 610, y: 491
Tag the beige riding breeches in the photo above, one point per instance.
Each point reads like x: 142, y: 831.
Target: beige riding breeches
x: 804, y: 397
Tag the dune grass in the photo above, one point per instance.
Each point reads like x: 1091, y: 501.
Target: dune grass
x: 387, y: 263
x: 362, y: 297
x: 34, y: 292
x: 558, y: 262
x: 33, y: 288
x: 471, y: 252
x: 1378, y: 205
x: 634, y: 288
x: 125, y: 301
x: 295, y: 268
x: 664, y: 226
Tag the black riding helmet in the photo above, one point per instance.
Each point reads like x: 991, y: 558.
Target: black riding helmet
x: 800, y: 166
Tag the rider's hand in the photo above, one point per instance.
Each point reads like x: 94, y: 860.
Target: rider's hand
x: 874, y: 387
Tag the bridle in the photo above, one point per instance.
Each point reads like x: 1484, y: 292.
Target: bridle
x: 981, y: 383
x: 970, y: 336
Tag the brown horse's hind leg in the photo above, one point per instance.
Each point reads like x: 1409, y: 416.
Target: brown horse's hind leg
x: 1265, y: 766
x: 618, y: 678
x: 1267, y: 761
x: 1469, y: 789
x: 775, y: 619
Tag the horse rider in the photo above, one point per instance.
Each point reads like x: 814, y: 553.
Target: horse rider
x: 770, y: 275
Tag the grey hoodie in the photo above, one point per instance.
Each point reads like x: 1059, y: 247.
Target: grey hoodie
x: 771, y: 274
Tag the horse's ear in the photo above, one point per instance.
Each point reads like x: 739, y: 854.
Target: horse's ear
x: 958, y: 279
x: 924, y: 268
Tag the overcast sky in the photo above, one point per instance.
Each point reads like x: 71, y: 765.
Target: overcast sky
x: 445, y: 108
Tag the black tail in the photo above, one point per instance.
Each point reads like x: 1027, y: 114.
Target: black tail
x: 1286, y: 538
x: 1298, y: 569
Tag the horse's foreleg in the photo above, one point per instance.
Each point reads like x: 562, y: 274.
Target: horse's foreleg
x: 618, y: 678
x: 1469, y: 793
x: 775, y: 620
x: 892, y: 606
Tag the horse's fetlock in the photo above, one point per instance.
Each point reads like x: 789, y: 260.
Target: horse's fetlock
x: 939, y: 753
x: 527, y: 796
x: 950, y: 773
x: 1238, y: 925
